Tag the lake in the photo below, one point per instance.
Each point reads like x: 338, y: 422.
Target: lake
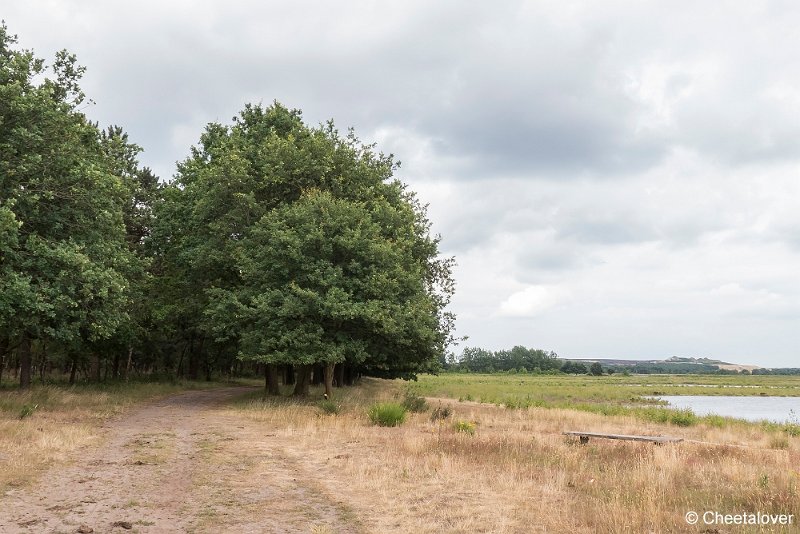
x: 778, y: 409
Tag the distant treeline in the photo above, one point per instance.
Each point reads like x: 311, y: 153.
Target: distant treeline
x: 537, y: 361
x: 519, y: 359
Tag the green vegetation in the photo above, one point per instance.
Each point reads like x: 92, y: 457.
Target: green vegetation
x: 414, y: 403
x: 387, y: 414
x: 466, y: 427
x: 279, y: 248
x: 609, y: 395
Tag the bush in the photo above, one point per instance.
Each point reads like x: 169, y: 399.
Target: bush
x: 387, y: 414
x: 683, y: 418
x: 415, y: 403
x: 329, y: 407
x: 465, y: 427
x: 440, y: 413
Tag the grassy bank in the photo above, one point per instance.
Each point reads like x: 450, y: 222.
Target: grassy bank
x: 610, y: 395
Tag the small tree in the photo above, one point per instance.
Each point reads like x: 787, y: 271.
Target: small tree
x: 596, y: 369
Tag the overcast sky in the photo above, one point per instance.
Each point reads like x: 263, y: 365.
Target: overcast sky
x: 615, y: 179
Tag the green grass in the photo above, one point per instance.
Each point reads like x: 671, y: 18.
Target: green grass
x: 609, y: 395
x: 387, y: 414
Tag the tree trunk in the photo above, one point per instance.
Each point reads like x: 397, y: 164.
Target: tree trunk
x: 317, y: 377
x: 271, y: 387
x: 24, y: 352
x: 128, y: 365
x: 349, y: 375
x: 4, y: 343
x: 329, y: 367
x: 339, y: 375
x: 95, y: 370
x: 289, y: 378
x: 73, y: 370
x: 302, y: 381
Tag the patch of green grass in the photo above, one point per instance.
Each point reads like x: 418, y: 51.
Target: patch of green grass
x: 465, y: 427
x: 329, y: 407
x: 387, y: 414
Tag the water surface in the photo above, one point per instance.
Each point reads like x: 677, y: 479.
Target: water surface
x: 778, y: 409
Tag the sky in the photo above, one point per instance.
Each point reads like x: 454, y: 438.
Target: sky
x: 614, y: 180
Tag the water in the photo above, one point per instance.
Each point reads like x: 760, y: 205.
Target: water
x: 778, y: 409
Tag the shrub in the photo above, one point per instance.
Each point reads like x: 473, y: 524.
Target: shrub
x: 387, y: 414
x: 27, y: 410
x: 465, y: 427
x: 683, y: 418
x: 415, y: 403
x: 329, y: 407
x: 440, y: 413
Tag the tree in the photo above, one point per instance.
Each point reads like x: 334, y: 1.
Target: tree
x: 63, y: 256
x: 326, y: 280
x: 596, y: 369
x: 235, y: 196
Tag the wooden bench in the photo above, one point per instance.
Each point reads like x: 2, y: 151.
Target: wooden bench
x: 584, y: 437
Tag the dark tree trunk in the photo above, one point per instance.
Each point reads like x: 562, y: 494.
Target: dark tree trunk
x: 339, y: 375
x: 349, y: 375
x: 95, y: 370
x: 289, y: 376
x: 115, y: 369
x: 303, y: 381
x: 73, y: 370
x: 24, y: 352
x: 4, y: 343
x: 271, y: 387
x: 128, y: 365
x: 316, y: 377
x: 329, y: 367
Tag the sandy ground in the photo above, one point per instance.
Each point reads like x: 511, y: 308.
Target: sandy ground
x: 181, y: 464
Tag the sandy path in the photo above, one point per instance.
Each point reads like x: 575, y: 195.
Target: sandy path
x: 178, y: 465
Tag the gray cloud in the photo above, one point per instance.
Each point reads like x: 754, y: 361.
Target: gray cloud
x: 606, y: 170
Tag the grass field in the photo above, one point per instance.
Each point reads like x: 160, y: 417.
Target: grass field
x: 481, y: 467
x: 609, y: 395
x: 514, y: 471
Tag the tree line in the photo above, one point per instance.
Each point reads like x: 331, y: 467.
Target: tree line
x: 278, y: 247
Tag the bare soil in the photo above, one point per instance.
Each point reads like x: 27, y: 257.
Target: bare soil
x: 181, y: 464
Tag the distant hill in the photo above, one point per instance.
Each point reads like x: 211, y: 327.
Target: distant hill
x: 674, y: 364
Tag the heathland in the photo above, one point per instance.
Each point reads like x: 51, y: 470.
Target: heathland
x: 451, y: 466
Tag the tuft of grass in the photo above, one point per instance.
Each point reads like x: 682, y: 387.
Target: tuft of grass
x: 27, y: 410
x: 466, y: 427
x: 387, y: 414
x: 329, y: 407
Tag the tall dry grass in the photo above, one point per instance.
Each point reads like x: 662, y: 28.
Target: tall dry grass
x: 518, y: 473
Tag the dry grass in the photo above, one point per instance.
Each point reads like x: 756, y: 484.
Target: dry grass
x: 47, y: 424
x: 518, y: 473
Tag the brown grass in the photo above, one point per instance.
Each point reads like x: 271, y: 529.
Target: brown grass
x: 518, y: 473
x: 47, y: 424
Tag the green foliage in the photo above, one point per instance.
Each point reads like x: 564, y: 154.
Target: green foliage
x: 329, y: 407
x: 27, y: 410
x: 596, y: 369
x: 387, y: 414
x: 414, y: 403
x: 466, y: 427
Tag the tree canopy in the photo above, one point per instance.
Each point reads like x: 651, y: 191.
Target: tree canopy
x: 277, y: 243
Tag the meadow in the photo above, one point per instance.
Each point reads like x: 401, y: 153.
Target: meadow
x: 479, y: 453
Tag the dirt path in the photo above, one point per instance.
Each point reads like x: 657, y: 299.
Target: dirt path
x: 178, y: 465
